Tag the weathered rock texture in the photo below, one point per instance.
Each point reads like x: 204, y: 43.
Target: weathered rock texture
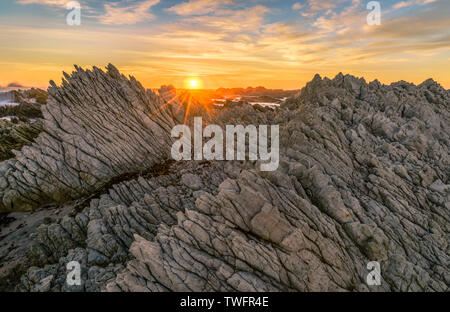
x: 15, y: 134
x: 18, y: 124
x: 364, y: 176
x: 97, y: 126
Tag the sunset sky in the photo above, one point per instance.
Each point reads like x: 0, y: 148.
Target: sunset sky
x: 226, y: 43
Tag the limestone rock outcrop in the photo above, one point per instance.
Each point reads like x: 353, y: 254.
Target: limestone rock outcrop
x: 96, y: 126
x: 363, y: 176
x: 15, y: 134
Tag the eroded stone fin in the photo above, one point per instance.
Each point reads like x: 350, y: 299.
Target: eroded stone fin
x: 97, y: 125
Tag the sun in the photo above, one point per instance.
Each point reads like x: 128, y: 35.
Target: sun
x: 193, y: 83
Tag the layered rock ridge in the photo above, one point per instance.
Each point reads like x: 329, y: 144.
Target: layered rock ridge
x: 363, y: 176
x: 97, y: 126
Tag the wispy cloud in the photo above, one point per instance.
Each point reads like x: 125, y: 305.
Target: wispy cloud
x: 297, y: 6
x: 318, y: 5
x: 61, y: 3
x: 223, y: 41
x: 198, y: 7
x: 123, y: 12
x: 403, y: 4
x: 117, y: 14
x: 87, y: 10
x: 245, y: 20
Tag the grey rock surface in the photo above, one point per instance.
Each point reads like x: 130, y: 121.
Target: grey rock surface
x: 363, y: 176
x: 97, y: 126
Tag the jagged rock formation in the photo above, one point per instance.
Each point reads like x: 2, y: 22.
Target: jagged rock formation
x: 16, y: 134
x: 26, y: 103
x: 32, y: 95
x: 97, y: 126
x: 363, y: 176
x: 18, y: 119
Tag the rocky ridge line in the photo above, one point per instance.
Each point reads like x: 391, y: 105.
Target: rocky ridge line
x: 364, y: 176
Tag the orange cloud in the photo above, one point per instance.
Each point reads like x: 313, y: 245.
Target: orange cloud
x: 232, y: 46
x: 198, y: 7
x: 403, y: 4
x: 131, y: 14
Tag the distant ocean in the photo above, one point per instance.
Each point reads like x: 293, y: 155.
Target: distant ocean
x: 7, y: 98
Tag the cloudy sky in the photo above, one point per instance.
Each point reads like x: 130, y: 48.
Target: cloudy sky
x: 226, y: 43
